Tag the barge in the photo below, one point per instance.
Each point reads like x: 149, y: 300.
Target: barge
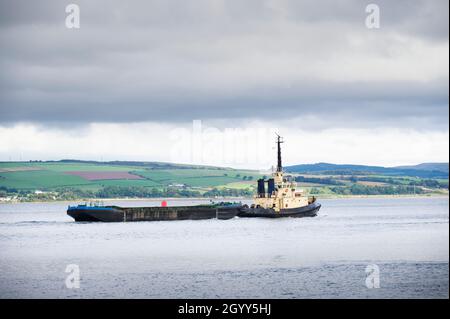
x: 97, y: 213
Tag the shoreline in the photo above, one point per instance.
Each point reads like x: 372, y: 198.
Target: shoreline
x: 343, y: 197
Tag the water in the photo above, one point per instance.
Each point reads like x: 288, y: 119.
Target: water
x: 321, y: 257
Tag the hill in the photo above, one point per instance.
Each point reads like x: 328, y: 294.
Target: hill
x: 442, y: 167
x: 425, y: 170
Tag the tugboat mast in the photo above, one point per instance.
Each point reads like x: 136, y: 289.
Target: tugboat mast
x: 279, y: 141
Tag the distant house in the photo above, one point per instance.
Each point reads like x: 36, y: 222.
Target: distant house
x: 8, y: 199
x: 177, y: 185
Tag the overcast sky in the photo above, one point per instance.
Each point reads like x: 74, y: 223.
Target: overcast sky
x: 129, y: 83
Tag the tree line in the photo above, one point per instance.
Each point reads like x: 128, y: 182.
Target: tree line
x: 122, y: 192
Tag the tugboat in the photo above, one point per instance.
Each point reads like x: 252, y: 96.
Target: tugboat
x: 282, y: 198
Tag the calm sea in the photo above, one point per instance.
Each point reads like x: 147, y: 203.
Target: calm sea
x: 350, y: 249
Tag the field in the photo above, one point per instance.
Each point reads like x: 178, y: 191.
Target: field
x: 104, y: 175
x: 77, y: 179
x: 39, y: 179
x: 48, y: 176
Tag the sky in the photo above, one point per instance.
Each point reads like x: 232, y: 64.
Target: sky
x: 211, y: 81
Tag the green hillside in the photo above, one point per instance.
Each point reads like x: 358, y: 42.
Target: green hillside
x: 77, y: 179
x: 159, y: 178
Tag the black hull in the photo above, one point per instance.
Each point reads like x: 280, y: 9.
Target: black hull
x: 96, y: 215
x: 134, y: 214
x: 306, y: 211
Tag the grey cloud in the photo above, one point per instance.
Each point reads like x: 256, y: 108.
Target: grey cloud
x: 180, y: 60
x: 347, y: 104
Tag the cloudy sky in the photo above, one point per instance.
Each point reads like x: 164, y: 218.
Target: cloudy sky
x: 210, y: 81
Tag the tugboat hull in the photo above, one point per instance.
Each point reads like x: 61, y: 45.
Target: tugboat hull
x: 305, y: 211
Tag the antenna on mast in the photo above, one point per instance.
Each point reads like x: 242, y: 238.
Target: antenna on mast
x: 279, y: 141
